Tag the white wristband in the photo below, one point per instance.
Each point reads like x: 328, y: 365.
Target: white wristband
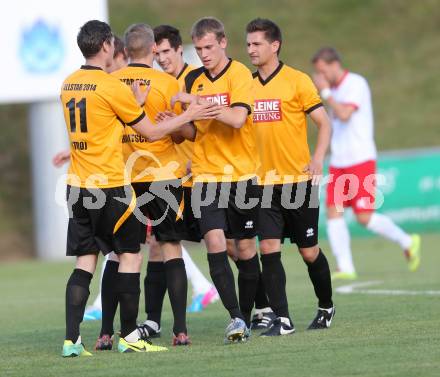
x: 326, y: 93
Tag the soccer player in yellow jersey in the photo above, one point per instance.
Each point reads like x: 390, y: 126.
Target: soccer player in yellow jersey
x: 284, y: 97
x: 101, y: 202
x: 153, y: 173
x: 119, y: 60
x: 169, y: 55
x: 224, y: 168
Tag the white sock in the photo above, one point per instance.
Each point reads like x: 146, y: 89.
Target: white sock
x: 286, y: 321
x: 329, y: 310
x: 132, y: 337
x: 97, y: 303
x: 152, y: 324
x: 198, y: 281
x: 339, y: 239
x: 263, y: 310
x: 385, y: 227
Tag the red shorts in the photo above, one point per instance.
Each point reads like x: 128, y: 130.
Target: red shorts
x: 353, y: 186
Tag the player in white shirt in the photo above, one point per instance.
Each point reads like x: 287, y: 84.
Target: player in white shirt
x: 353, y: 163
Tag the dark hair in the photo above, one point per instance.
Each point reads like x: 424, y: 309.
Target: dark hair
x: 139, y: 40
x: 119, y: 47
x: 327, y: 54
x: 271, y: 30
x: 208, y: 25
x: 162, y: 32
x: 91, y: 36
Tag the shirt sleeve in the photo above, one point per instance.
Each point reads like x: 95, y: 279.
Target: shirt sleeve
x: 307, y: 93
x: 354, y: 93
x: 241, y: 89
x: 124, y: 104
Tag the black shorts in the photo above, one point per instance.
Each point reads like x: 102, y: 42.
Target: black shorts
x: 231, y: 206
x: 292, y: 211
x: 192, y: 229
x: 162, y: 203
x: 98, y: 221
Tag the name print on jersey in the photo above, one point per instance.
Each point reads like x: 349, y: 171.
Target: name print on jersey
x: 221, y: 99
x: 267, y: 110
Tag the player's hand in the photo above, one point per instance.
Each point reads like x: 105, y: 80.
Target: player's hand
x: 163, y: 115
x: 141, y: 95
x: 202, y: 111
x: 320, y: 81
x: 61, y: 158
x: 183, y: 98
x: 314, y: 169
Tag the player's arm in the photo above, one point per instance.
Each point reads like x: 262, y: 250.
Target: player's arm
x: 241, y: 99
x: 186, y: 132
x: 342, y: 111
x: 320, y: 118
x: 234, y: 117
x: 61, y: 158
x: 194, y: 111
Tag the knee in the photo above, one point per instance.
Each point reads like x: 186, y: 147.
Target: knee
x: 87, y: 263
x: 270, y: 246
x: 130, y: 262
x: 363, y: 218
x: 215, y: 241
x: 309, y: 254
x: 246, y: 249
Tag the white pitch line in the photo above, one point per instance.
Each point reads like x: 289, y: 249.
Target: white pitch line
x: 356, y: 288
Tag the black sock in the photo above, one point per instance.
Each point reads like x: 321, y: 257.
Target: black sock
x: 109, y: 297
x: 261, y: 300
x: 128, y: 294
x: 177, y: 284
x: 155, y: 286
x: 77, y: 293
x: 247, y: 285
x: 223, y: 279
x: 319, y: 272
x: 275, y: 281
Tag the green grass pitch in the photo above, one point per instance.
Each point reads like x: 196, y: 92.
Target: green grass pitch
x: 371, y: 335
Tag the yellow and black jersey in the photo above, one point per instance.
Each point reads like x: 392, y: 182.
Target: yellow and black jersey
x: 217, y: 145
x: 96, y: 107
x: 186, y: 148
x: 150, y: 161
x: 281, y: 105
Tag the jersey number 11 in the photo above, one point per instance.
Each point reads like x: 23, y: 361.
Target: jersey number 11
x: 81, y: 105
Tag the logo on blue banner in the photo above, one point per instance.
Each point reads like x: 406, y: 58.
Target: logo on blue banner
x: 41, y: 49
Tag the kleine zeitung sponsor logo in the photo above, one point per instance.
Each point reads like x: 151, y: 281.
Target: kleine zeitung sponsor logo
x: 267, y: 110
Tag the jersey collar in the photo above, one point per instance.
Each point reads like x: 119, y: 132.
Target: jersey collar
x: 212, y: 79
x: 91, y: 67
x: 140, y: 65
x: 185, y: 66
x: 271, y: 76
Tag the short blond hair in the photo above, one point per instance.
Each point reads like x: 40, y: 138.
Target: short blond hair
x: 208, y: 25
x: 139, y: 40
